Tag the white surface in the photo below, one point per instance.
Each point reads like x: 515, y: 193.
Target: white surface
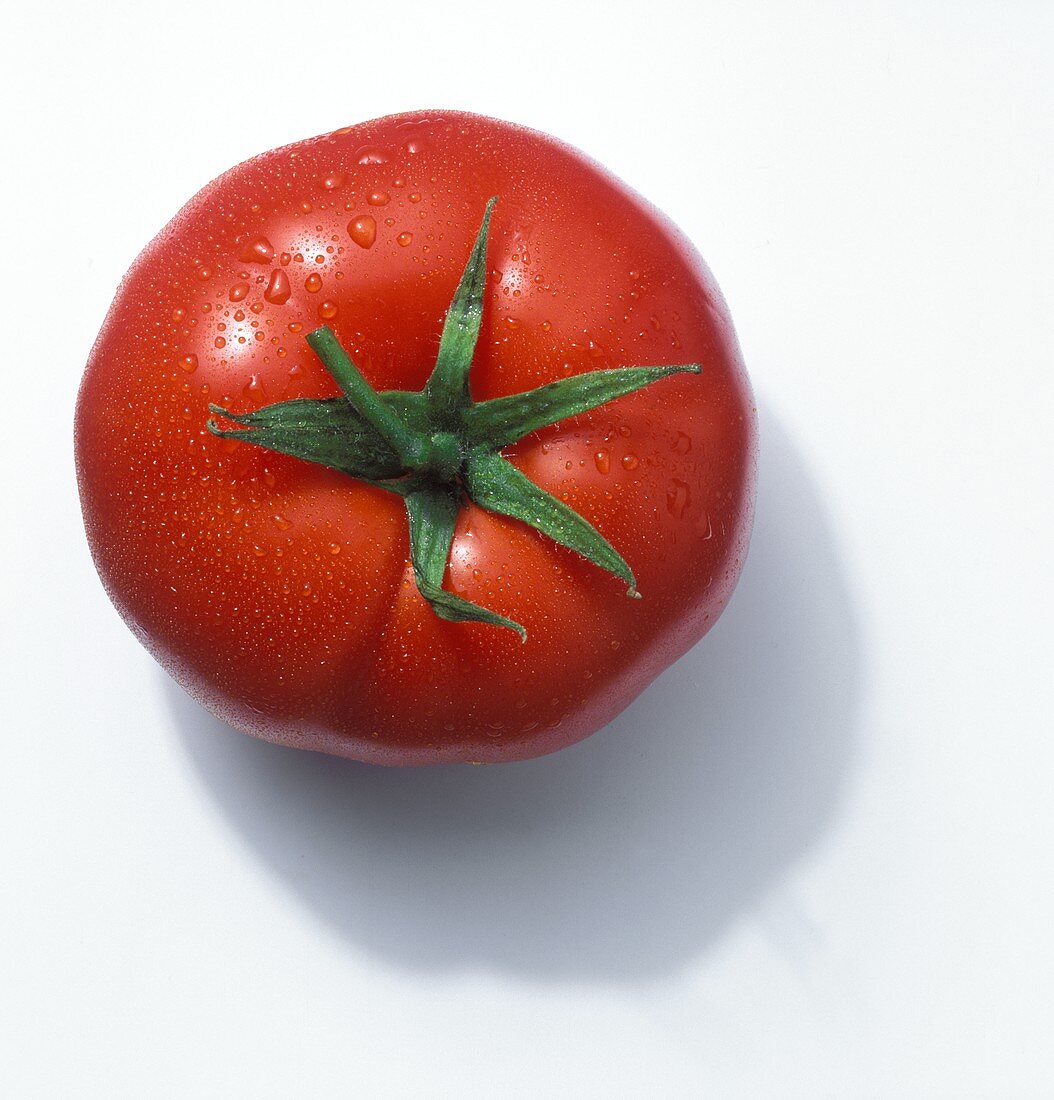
x: 815, y: 858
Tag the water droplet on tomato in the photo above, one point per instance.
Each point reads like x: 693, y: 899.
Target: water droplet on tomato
x: 220, y: 342
x: 368, y: 154
x: 415, y: 197
x: 178, y: 315
x: 257, y: 251
x: 204, y: 273
x: 603, y: 461
x: 404, y: 239
x: 630, y: 462
x: 333, y: 181
x: 363, y: 230
x: 281, y: 522
x: 327, y: 310
x: 682, y: 444
x: 313, y: 283
x: 334, y: 547
x: 255, y: 387
x: 379, y: 198
x: 295, y: 326
x: 189, y: 363
x: 678, y: 496
x: 238, y: 292
x: 278, y: 288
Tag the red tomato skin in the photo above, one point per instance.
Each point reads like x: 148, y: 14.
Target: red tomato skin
x: 279, y: 593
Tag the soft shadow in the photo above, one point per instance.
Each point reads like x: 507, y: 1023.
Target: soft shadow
x: 620, y: 858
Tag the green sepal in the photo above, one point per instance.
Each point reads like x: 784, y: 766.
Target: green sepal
x: 447, y: 387
x: 495, y: 484
x: 327, y: 431
x: 432, y: 514
x: 504, y: 420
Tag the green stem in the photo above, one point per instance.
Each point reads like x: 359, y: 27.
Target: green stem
x: 411, y: 447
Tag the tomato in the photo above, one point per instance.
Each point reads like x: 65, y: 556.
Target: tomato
x: 277, y: 583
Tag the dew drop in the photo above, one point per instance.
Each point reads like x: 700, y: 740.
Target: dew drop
x: 238, y: 292
x: 278, y: 288
x: 369, y: 154
x: 254, y: 387
x: 379, y: 198
x: 333, y: 181
x: 415, y: 197
x: 295, y: 326
x: 404, y: 239
x: 281, y: 522
x: 603, y: 461
x: 313, y: 283
x: 630, y: 462
x: 363, y: 230
x: 327, y: 310
x: 204, y: 273
x: 189, y: 363
x: 334, y: 547
x: 678, y: 496
x: 257, y: 251
x: 178, y: 315
x: 220, y: 342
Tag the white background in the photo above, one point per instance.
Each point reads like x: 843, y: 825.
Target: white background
x: 815, y: 858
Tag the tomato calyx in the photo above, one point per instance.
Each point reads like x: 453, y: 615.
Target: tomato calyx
x: 435, y: 447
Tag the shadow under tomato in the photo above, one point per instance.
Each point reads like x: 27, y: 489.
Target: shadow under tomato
x: 620, y: 858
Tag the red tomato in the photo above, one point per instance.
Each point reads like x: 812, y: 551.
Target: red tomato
x: 280, y: 592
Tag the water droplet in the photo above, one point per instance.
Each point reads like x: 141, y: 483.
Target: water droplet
x: 278, y: 288
x: 220, y: 342
x: 306, y: 207
x: 603, y: 461
x: 257, y: 251
x: 334, y: 547
x: 258, y: 551
x: 295, y: 326
x: 313, y: 283
x: 379, y: 198
x: 327, y: 310
x: 630, y: 462
x: 189, y: 363
x: 682, y: 444
x: 369, y: 154
x: 678, y: 496
x: 238, y: 292
x: 255, y: 387
x: 332, y: 181
x: 204, y: 273
x: 404, y: 239
x: 363, y: 230
x: 415, y: 197
x: 547, y: 326
x: 178, y: 315
x: 281, y: 522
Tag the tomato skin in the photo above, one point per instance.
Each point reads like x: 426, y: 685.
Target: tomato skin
x: 279, y: 593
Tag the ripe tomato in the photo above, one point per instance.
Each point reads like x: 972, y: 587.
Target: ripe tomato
x: 280, y: 591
